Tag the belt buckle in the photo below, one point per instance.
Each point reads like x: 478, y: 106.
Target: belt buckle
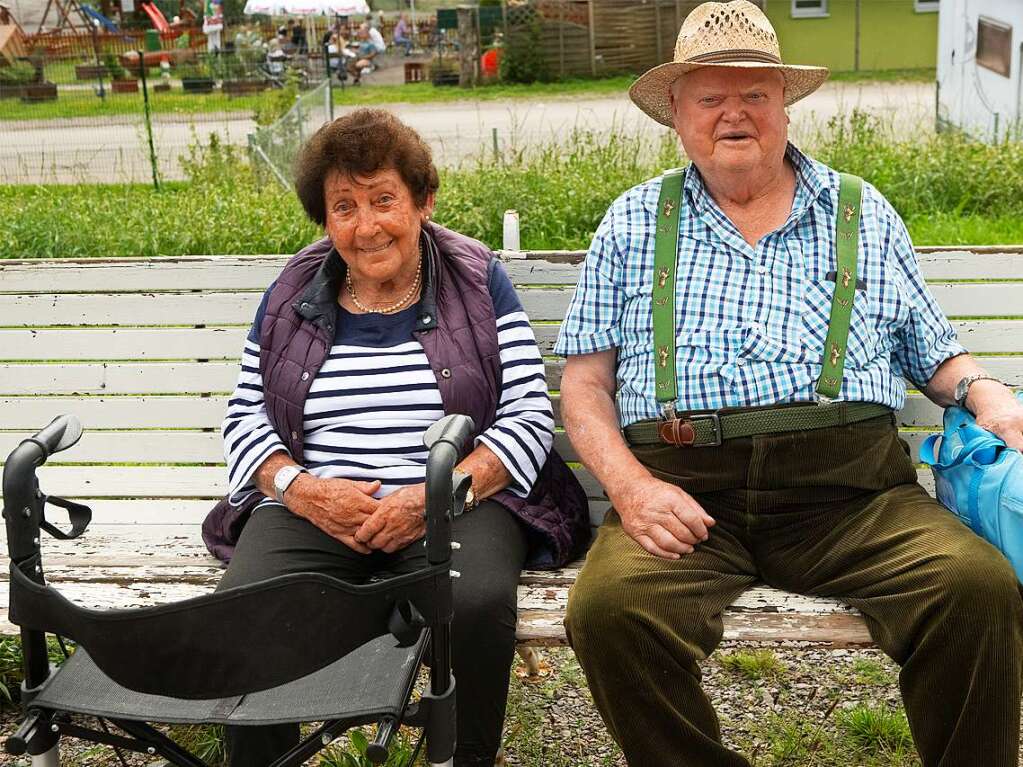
x: 715, y: 419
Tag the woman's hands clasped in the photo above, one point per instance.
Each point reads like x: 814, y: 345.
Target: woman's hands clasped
x: 346, y: 509
x: 397, y: 521
x: 339, y: 507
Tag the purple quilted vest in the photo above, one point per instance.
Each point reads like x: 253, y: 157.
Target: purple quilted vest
x: 456, y: 326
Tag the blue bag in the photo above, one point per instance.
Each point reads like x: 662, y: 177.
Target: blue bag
x: 980, y: 480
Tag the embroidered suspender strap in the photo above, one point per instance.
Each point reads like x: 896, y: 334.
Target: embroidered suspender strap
x: 665, y: 261
x: 847, y: 238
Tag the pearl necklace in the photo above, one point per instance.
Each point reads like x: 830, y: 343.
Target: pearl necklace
x: 393, y: 307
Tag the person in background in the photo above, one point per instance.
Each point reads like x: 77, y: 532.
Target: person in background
x: 371, y: 43
x: 213, y: 25
x: 403, y: 34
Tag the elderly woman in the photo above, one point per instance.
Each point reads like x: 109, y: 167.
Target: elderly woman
x: 365, y: 339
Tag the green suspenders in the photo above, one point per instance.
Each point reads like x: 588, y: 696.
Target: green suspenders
x: 666, y: 258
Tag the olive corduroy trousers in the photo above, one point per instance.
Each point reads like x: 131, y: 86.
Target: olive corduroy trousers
x: 833, y: 512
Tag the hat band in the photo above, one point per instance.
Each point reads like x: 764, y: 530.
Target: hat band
x: 733, y: 55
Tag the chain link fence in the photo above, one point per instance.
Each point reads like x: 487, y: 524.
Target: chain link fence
x: 129, y: 116
x: 275, y: 146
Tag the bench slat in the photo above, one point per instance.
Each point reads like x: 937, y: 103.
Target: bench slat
x: 257, y: 272
x: 541, y: 613
x: 83, y: 344
x: 194, y: 481
x: 191, y: 412
x: 206, y: 447
x: 220, y: 377
x: 996, y: 299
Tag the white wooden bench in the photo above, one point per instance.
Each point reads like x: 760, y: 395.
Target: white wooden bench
x: 145, y: 353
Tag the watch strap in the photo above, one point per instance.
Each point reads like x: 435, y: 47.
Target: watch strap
x: 962, y: 390
x: 283, y: 479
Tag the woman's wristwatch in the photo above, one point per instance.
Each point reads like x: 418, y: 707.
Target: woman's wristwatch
x: 283, y: 479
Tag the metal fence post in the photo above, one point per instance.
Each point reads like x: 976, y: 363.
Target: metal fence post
x: 149, y: 119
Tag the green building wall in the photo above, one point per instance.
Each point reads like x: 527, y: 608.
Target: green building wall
x: 893, y: 35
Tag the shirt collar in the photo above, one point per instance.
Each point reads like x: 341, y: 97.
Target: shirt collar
x: 812, y: 181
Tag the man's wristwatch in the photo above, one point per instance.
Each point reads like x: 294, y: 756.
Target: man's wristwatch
x: 471, y: 500
x: 283, y: 479
x: 962, y: 389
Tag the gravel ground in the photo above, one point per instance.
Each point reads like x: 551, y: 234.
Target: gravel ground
x: 786, y: 707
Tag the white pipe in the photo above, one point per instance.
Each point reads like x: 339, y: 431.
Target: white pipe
x: 50, y: 759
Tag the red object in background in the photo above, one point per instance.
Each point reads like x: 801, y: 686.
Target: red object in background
x: 490, y: 62
x: 158, y: 19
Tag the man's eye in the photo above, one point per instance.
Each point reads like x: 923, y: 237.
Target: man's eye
x: 756, y: 96
x: 709, y: 100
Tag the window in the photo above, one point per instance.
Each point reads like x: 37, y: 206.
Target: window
x: 925, y: 6
x: 994, y: 45
x: 808, y: 9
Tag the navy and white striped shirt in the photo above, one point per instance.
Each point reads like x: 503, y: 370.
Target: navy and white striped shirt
x: 751, y: 320
x: 375, y: 396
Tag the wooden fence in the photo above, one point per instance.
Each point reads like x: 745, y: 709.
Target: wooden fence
x: 600, y: 37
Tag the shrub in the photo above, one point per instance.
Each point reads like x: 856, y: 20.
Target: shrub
x: 18, y: 73
x: 523, y: 60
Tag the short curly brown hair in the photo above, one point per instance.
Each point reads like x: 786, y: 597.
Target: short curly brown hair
x: 363, y: 142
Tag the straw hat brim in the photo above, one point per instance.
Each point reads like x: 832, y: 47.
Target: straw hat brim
x: 651, y: 91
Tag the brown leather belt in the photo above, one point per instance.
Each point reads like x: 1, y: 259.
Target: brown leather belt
x: 712, y: 428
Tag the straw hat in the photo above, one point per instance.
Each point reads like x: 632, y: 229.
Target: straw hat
x: 735, y: 34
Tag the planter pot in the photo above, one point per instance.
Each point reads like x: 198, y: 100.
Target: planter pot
x: 39, y: 92
x: 240, y: 87
x: 11, y: 91
x: 445, y: 78
x: 90, y: 71
x: 125, y: 86
x: 197, y: 84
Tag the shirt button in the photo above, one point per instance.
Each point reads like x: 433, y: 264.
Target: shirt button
x: 740, y: 362
x: 445, y: 373
x: 427, y: 319
x: 761, y: 269
x: 294, y: 435
x: 305, y: 304
x: 758, y: 326
x: 305, y: 375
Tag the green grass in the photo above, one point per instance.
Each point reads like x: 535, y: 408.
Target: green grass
x: 923, y: 75
x: 753, y: 664
x: 876, y: 730
x: 85, y: 103
x: 949, y: 190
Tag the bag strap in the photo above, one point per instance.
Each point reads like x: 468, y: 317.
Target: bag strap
x: 663, y: 294
x: 847, y: 237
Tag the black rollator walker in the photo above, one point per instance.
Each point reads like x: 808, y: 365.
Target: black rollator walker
x: 281, y: 650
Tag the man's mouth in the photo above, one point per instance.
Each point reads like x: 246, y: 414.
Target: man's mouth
x: 735, y: 137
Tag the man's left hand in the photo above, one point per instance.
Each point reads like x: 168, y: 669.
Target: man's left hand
x: 998, y: 411
x: 397, y: 522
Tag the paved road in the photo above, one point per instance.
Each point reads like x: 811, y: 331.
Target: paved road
x: 98, y: 150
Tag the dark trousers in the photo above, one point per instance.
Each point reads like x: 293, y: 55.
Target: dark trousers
x: 834, y: 512
x: 493, y: 550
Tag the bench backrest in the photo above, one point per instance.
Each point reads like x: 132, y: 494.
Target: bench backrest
x: 145, y: 353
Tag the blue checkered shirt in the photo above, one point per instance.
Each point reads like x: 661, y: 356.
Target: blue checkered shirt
x: 751, y: 321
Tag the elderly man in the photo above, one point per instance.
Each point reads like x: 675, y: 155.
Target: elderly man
x: 756, y: 391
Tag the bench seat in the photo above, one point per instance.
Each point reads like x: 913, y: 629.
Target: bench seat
x: 145, y: 353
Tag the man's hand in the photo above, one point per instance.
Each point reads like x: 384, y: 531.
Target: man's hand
x: 397, y: 521
x: 998, y: 411
x: 338, y: 507
x: 662, y: 518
